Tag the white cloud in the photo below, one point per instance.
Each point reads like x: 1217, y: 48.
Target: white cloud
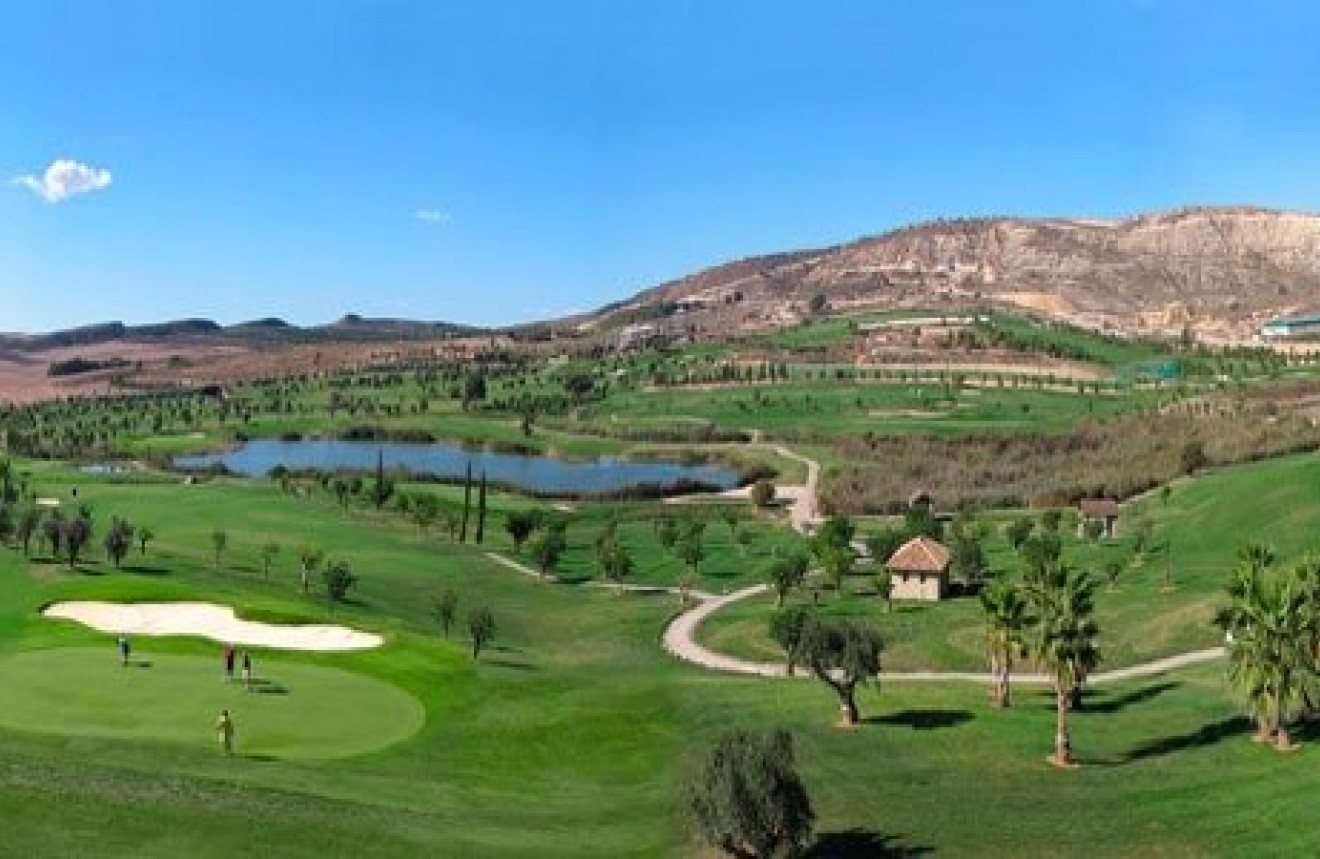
x: 433, y: 217
x: 65, y: 178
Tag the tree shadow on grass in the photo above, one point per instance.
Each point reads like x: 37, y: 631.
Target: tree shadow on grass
x: 263, y: 686
x: 514, y: 664
x: 923, y: 720
x: 143, y: 570
x: 862, y: 844
x: 1096, y: 703
x: 1206, y: 735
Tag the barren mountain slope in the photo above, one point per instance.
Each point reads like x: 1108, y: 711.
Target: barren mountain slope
x: 1212, y: 269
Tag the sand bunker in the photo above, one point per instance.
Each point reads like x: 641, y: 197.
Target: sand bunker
x: 208, y: 620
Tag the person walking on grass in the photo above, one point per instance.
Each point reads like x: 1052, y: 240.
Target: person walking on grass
x: 247, y: 671
x: 229, y: 662
x: 224, y: 730
x: 125, y: 649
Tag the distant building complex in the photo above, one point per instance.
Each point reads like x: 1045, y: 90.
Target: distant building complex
x: 1292, y: 326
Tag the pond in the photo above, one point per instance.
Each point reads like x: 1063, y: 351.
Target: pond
x: 537, y: 474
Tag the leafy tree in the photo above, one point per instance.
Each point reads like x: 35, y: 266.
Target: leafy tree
x: 445, y: 608
x: 837, y: 562
x: 731, y: 519
x: 666, y: 532
x: 746, y: 798
x: 1006, y: 620
x: 786, y: 573
x: 338, y: 579
x: 423, y: 509
x: 144, y: 536
x: 919, y: 520
x: 1040, y: 554
x: 52, y: 529
x: 118, y: 540
x: 883, y: 544
x: 474, y: 389
x: 842, y: 654
x: 787, y: 626
x: 743, y: 539
x: 28, y: 525
x: 270, y: 550
x: 1017, y: 531
x: 481, y: 627
x: 309, y: 558
x: 1064, y: 641
x: 967, y: 559
x: 1193, y: 457
x: 615, y: 563
x: 546, y: 550
x: 836, y: 533
x: 520, y: 524
x: 579, y: 386
x: 691, y: 552
x: 762, y: 493
x: 884, y: 588
x: 219, y: 541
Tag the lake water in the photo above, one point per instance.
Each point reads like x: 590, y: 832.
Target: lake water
x: 539, y: 474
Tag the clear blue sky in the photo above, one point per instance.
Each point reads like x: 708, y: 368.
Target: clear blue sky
x: 272, y: 158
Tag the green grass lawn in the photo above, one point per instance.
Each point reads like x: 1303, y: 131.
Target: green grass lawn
x: 1198, y: 530
x: 292, y: 711
x: 569, y: 736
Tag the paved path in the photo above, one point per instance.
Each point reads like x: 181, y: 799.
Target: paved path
x: 803, y: 499
x: 519, y: 567
x: 680, y: 640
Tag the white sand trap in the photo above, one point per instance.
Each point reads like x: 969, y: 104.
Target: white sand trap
x: 208, y: 620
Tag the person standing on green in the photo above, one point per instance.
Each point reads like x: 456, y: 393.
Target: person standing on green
x: 224, y: 729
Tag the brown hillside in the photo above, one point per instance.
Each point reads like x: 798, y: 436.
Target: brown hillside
x: 1219, y: 271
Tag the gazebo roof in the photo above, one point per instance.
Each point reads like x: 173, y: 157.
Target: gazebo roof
x: 920, y: 555
x: 1099, y: 508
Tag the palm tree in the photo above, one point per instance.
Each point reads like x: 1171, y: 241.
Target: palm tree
x: 1064, y: 643
x: 1006, y: 619
x: 1270, y: 626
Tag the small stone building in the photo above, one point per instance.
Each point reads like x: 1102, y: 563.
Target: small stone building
x: 919, y: 570
x: 1102, y: 510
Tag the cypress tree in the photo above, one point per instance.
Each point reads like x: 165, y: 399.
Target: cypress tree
x: 481, y: 510
x: 467, y: 504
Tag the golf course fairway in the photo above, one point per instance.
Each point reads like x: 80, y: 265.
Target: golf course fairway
x: 295, y: 711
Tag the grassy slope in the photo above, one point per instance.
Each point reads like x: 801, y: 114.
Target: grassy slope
x: 1200, y: 522
x: 567, y: 741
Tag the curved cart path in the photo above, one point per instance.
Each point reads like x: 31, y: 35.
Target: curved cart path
x: 679, y: 639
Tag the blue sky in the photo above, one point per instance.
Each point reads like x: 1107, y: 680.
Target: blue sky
x: 272, y: 158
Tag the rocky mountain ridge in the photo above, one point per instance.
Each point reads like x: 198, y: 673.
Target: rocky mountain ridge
x: 1215, y: 270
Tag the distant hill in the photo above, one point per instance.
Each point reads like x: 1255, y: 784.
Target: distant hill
x: 1212, y: 269
x: 350, y: 328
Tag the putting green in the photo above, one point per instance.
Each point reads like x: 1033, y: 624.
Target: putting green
x: 295, y: 711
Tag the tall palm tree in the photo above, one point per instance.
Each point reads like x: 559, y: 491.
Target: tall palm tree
x: 1006, y: 619
x: 1064, y: 642
x: 1270, y: 626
